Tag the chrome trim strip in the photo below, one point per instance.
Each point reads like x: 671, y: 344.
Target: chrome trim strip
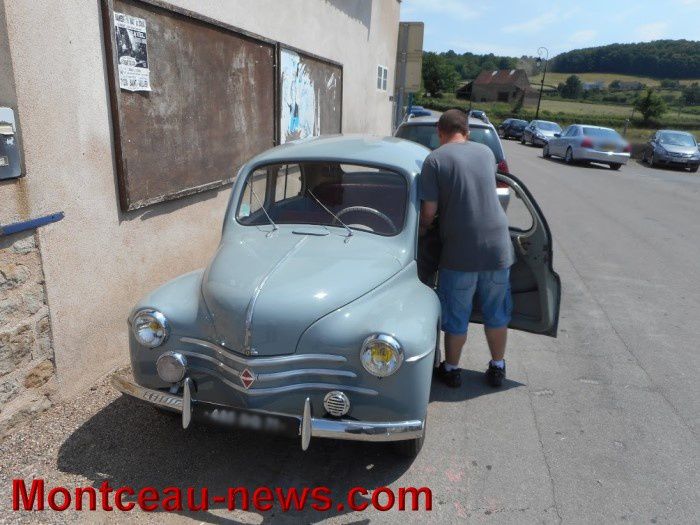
x: 264, y: 361
x: 286, y: 388
x: 310, y: 426
x: 186, y: 403
x: 419, y: 356
x: 256, y: 293
x: 272, y: 376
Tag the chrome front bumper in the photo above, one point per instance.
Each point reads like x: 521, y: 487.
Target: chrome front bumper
x: 309, y: 426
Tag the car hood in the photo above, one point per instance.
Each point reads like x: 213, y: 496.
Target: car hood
x: 679, y: 149
x: 263, y: 292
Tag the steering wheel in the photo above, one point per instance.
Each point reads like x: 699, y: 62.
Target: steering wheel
x: 371, y: 211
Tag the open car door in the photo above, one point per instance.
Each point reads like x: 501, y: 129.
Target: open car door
x: 535, y: 286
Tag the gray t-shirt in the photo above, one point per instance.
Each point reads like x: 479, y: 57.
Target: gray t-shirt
x: 473, y: 225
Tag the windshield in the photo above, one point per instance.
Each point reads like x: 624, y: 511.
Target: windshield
x: 426, y: 134
x: 548, y: 126
x: 601, y: 132
x: 677, y: 139
x: 326, y: 194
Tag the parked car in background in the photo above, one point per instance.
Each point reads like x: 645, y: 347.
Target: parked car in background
x: 539, y: 132
x: 512, y: 127
x: 423, y: 130
x: 418, y: 111
x: 582, y: 143
x: 310, y: 319
x: 479, y: 114
x: 672, y: 148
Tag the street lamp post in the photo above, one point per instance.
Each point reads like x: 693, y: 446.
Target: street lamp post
x: 540, y: 52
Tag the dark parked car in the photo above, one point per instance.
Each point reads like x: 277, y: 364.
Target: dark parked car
x: 672, y: 148
x: 512, y: 127
x: 539, y: 132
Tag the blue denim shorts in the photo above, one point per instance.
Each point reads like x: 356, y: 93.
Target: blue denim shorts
x: 456, y: 291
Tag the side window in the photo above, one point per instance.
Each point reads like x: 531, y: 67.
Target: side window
x: 288, y: 182
x: 254, y: 194
x: 519, y: 216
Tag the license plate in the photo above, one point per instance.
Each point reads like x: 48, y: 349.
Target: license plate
x: 245, y: 419
x: 609, y: 147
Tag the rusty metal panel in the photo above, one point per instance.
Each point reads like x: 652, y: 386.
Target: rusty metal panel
x: 310, y: 95
x: 211, y: 107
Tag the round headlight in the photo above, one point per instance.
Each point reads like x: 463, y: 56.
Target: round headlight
x: 381, y: 355
x: 171, y: 367
x: 150, y: 328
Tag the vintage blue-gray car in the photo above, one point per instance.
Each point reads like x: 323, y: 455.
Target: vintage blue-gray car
x: 310, y: 318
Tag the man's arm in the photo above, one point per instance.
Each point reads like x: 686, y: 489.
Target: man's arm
x: 428, y: 209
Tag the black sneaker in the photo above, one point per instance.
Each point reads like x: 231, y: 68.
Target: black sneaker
x: 495, y: 375
x: 453, y: 378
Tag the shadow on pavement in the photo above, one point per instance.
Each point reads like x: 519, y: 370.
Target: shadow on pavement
x: 579, y: 164
x: 131, y: 444
x: 473, y: 386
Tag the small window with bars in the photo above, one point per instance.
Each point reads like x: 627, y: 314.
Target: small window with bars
x: 382, y: 74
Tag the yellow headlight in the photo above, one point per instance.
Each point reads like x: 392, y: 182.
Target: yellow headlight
x: 381, y: 355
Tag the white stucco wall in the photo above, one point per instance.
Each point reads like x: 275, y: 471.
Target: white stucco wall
x: 98, y: 261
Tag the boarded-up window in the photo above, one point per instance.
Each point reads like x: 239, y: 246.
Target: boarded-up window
x: 211, y: 105
x: 311, y: 93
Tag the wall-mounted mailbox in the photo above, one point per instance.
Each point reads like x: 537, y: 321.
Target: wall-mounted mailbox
x: 10, y: 156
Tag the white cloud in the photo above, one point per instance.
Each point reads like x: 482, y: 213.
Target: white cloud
x: 452, y: 8
x: 653, y: 31
x: 533, y: 25
x: 585, y: 36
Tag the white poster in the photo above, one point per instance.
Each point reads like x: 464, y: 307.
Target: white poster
x: 132, y: 54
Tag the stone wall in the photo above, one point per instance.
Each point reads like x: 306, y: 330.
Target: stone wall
x: 26, y: 354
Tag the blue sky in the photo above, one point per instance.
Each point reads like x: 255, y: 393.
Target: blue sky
x: 519, y: 27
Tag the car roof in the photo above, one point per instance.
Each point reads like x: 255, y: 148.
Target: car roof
x: 591, y: 126
x: 390, y: 152
x: 417, y: 121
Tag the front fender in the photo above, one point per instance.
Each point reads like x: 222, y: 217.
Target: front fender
x: 402, y: 307
x: 180, y: 301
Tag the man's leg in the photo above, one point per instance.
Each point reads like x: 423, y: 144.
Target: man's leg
x: 456, y: 292
x: 453, y: 347
x: 494, y: 294
x: 496, y: 338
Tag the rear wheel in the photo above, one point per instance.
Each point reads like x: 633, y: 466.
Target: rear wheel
x: 569, y: 157
x: 615, y: 165
x: 545, y: 152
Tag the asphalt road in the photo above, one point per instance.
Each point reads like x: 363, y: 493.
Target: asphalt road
x: 597, y: 426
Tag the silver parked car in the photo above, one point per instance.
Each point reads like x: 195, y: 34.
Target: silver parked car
x: 310, y: 319
x: 539, y: 132
x: 672, y: 148
x: 582, y: 143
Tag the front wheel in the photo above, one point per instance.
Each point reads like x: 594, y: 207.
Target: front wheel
x: 615, y: 165
x: 522, y: 140
x: 410, y: 448
x: 652, y: 160
x: 694, y: 169
x: 545, y: 152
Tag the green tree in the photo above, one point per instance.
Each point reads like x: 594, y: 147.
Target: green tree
x: 439, y: 75
x: 650, y: 105
x: 691, y: 94
x: 572, y: 88
x: 615, y: 84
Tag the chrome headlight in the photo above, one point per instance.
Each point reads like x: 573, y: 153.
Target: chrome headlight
x: 381, y: 355
x: 150, y: 327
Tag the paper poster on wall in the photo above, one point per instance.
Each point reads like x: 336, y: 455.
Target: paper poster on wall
x: 310, y: 92
x: 132, y: 53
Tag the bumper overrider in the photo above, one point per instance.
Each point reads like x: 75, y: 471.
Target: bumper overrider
x: 305, y: 425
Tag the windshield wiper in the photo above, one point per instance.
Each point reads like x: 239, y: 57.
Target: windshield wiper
x: 274, y: 226
x: 347, y: 237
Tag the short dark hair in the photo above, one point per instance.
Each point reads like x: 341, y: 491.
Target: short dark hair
x: 453, y: 121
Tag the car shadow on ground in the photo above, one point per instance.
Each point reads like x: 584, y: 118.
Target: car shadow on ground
x: 473, y: 385
x: 578, y: 164
x: 129, y: 443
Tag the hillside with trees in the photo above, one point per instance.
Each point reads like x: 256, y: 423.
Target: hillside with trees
x: 657, y: 59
